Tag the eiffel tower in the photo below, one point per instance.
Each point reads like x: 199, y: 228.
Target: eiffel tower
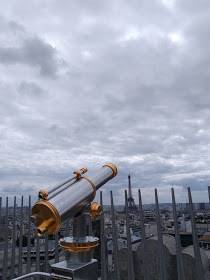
x: 131, y: 203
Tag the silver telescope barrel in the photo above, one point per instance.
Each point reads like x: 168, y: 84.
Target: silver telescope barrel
x: 68, y: 182
x: 70, y: 201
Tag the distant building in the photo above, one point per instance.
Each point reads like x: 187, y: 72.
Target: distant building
x: 204, y: 240
x: 202, y: 206
x: 131, y: 203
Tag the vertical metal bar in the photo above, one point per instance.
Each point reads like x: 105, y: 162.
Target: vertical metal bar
x: 129, y: 187
x: 46, y: 253
x: 90, y: 226
x: 198, y: 262
x: 5, y: 258
x: 103, y: 244
x: 143, y: 238
x: 1, y: 268
x: 37, y: 253
x: 1, y: 265
x: 13, y: 240
x: 28, y: 266
x: 56, y: 248
x: 89, y: 222
x: 66, y: 233
x: 0, y: 209
x: 20, y: 249
x: 179, y: 259
x: 209, y: 204
x: 131, y: 275
x: 114, y: 240
x: 160, y: 240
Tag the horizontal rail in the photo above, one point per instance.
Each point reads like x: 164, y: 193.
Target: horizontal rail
x: 48, y: 275
x: 29, y: 275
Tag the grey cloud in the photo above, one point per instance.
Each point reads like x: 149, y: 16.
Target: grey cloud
x: 16, y: 26
x: 140, y: 101
x: 35, y: 53
x: 30, y: 88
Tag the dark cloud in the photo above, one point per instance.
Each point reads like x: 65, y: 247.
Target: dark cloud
x: 35, y: 53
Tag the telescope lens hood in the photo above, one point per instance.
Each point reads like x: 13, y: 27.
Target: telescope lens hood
x: 45, y: 217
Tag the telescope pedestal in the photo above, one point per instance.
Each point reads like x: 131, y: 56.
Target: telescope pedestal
x: 83, y: 271
x: 78, y: 263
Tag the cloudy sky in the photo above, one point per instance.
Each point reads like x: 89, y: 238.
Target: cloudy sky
x: 87, y: 82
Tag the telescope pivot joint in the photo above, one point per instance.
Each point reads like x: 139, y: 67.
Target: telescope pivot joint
x: 80, y: 172
x: 43, y: 194
x: 95, y: 210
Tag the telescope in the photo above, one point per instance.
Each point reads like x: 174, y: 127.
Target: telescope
x: 73, y: 198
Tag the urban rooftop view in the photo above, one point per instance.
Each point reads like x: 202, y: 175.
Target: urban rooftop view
x: 105, y: 140
x: 155, y: 241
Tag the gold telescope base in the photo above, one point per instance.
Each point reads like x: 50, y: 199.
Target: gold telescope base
x: 77, y: 245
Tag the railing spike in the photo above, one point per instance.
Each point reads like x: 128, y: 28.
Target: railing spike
x: 114, y: 239
x: 179, y: 259
x: 198, y: 261
x: 131, y: 275
x: 143, y: 239
x: 160, y: 240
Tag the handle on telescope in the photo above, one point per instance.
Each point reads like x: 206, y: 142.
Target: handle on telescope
x: 44, y: 194
x: 80, y: 172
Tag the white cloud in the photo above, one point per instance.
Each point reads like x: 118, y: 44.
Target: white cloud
x: 176, y: 38
x: 170, y: 4
x: 131, y: 34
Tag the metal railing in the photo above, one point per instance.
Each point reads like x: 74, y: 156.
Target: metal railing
x: 181, y: 270
x: 21, y: 251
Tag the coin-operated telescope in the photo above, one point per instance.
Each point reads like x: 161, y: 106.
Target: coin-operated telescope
x: 73, y: 199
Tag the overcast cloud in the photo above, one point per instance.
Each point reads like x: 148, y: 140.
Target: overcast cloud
x: 88, y: 82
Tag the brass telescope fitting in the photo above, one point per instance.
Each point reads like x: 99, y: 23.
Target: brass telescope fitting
x: 80, y: 172
x: 45, y: 217
x: 95, y: 210
x: 113, y: 168
x: 76, y: 246
x: 43, y: 194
